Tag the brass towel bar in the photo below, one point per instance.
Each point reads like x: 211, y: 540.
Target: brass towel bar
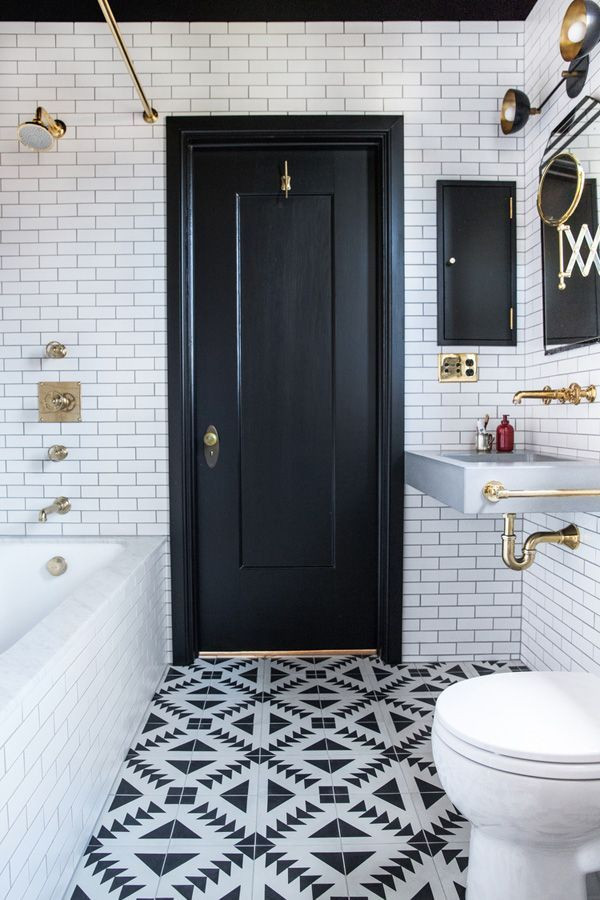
x: 494, y: 491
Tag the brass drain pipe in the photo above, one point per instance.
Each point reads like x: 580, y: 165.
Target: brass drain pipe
x: 567, y: 536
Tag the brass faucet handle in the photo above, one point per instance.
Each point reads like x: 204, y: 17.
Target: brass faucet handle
x: 588, y: 393
x: 55, y: 350
x: 551, y: 395
x: 57, y: 452
x: 60, y: 402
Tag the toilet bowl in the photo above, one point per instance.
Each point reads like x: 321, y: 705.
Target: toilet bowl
x: 519, y: 756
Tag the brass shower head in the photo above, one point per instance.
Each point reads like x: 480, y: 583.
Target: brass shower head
x: 41, y: 132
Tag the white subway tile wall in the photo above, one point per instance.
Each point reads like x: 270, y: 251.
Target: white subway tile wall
x: 63, y: 741
x: 82, y: 258
x: 561, y: 593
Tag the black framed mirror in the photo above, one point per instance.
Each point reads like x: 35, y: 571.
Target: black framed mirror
x: 568, y: 199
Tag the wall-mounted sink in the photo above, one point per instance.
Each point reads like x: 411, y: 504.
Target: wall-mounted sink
x: 457, y: 478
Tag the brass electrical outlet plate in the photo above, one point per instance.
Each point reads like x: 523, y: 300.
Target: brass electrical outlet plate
x: 458, y: 367
x: 59, y: 401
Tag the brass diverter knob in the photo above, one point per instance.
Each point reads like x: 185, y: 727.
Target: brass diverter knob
x: 56, y: 350
x: 57, y: 452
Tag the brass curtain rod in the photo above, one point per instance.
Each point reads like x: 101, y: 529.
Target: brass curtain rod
x: 150, y: 114
x: 494, y: 491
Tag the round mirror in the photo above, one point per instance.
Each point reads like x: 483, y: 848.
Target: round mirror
x: 560, y: 188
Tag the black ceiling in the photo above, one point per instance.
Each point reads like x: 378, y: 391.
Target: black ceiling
x: 261, y: 10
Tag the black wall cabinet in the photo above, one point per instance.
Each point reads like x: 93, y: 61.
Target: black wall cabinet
x: 476, y: 263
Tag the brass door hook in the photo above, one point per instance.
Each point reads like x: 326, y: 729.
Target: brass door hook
x: 286, y: 181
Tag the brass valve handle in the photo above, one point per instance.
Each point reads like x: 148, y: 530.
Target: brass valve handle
x: 60, y: 402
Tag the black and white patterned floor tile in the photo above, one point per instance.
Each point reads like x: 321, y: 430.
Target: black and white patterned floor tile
x: 279, y: 779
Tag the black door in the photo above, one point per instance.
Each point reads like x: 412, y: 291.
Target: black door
x: 285, y: 368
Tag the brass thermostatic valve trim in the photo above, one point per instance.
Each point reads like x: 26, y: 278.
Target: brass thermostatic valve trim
x: 572, y: 394
x: 494, y: 491
x: 567, y: 537
x: 55, y: 350
x: 59, y: 401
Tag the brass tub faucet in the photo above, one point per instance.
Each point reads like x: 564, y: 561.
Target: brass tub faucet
x: 61, y: 505
x: 572, y: 394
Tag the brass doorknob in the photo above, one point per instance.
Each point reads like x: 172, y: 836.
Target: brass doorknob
x: 210, y: 439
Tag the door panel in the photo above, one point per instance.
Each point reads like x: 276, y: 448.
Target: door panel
x: 287, y: 433
x: 285, y: 337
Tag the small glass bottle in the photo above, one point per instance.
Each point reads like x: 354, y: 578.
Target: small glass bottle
x: 505, y: 436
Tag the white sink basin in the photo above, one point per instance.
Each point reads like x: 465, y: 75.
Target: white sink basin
x: 457, y: 479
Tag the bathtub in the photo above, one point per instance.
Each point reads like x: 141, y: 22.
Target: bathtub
x: 28, y: 592
x: 80, y: 656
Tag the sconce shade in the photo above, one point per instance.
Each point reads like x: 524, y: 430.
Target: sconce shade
x: 515, y: 111
x: 580, y: 29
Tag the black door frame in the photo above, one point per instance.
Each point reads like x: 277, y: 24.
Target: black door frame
x: 385, y: 135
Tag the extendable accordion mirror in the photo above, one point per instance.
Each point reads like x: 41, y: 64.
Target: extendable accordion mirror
x: 572, y: 154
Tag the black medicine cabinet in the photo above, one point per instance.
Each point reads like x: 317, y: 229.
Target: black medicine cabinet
x: 476, y: 263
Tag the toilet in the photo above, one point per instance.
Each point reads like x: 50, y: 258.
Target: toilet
x: 519, y: 756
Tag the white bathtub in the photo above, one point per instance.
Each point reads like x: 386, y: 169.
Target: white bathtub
x: 28, y: 592
x: 80, y: 656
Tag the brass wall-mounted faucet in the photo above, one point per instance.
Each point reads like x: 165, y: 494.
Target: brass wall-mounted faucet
x: 61, y: 505
x: 568, y: 537
x: 572, y: 394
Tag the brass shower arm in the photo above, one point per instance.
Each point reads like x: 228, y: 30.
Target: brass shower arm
x: 150, y: 114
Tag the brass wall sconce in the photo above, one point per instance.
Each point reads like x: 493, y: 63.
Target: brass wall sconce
x: 150, y: 114
x: 55, y: 350
x: 580, y: 29
x: 59, y: 401
x: 516, y: 106
x: 41, y: 132
x: 579, y: 34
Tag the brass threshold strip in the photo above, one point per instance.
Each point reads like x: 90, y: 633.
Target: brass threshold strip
x: 265, y: 654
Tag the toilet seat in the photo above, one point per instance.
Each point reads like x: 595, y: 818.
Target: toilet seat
x: 539, y: 724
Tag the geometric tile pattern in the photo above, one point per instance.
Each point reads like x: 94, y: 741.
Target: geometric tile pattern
x: 284, y: 779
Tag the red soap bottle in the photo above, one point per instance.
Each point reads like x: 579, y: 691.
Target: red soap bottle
x: 505, y: 436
